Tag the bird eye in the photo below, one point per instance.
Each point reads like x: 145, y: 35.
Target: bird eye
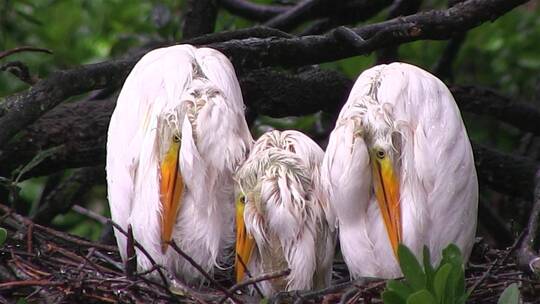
x: 243, y: 199
x: 176, y: 138
x: 380, y: 154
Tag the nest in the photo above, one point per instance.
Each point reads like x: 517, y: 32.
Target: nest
x: 42, y: 265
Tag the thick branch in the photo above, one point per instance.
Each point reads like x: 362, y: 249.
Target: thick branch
x: 437, y: 25
x: 21, y: 109
x: 200, y: 18
x: 253, y: 11
x: 18, y: 110
x: 296, y: 15
x: 487, y: 102
x: 348, y: 13
x: 509, y: 174
x: 81, y: 127
x: 399, y: 8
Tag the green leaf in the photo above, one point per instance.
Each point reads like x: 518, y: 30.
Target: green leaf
x: 421, y: 297
x: 399, y: 288
x: 452, y: 254
x: 510, y: 295
x: 456, y: 279
x: 3, y: 236
x: 428, y: 268
x: 21, y: 301
x: 411, y: 268
x: 391, y: 297
x: 440, y: 282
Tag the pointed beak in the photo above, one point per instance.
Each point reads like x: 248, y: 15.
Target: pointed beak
x: 244, y: 243
x: 171, y: 188
x: 387, y: 192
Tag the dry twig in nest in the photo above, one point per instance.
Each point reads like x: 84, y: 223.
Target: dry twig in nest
x: 43, y: 265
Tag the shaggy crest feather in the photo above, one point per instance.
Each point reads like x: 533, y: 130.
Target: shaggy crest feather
x: 284, y: 211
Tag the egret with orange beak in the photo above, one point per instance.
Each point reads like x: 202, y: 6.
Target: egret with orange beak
x: 398, y: 169
x: 282, y: 215
x: 175, y: 138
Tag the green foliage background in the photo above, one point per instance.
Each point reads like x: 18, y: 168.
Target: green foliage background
x: 503, y: 55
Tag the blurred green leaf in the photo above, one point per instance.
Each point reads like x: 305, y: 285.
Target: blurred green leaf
x: 399, y: 288
x: 428, y: 268
x: 392, y: 297
x: 440, y: 282
x: 510, y: 295
x: 421, y: 297
x: 411, y: 268
x: 3, y: 236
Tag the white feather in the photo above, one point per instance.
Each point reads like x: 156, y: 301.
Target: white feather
x: 411, y: 114
x: 194, y: 94
x: 285, y: 211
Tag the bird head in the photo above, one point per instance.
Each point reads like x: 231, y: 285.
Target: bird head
x: 274, y: 189
x: 384, y: 141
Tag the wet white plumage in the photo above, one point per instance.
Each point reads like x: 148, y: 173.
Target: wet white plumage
x: 285, y: 211
x: 410, y: 117
x: 191, y: 95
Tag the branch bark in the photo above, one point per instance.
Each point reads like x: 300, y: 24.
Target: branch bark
x: 200, y: 18
x: 19, y: 110
x: 485, y: 101
x: 81, y: 127
x: 253, y: 11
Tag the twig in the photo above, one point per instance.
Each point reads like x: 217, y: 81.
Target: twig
x: 24, y: 49
x: 528, y: 258
x: 53, y: 232
x: 145, y: 253
x: 248, y: 273
x: 202, y: 271
x: 29, y: 236
x: 253, y: 281
x: 307, y: 295
x: 29, y: 283
x: 19, y: 70
x: 131, y: 261
x: 295, y: 15
x: 496, y: 263
x: 90, y: 214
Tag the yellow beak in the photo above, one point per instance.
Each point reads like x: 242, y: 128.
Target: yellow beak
x: 171, y: 188
x: 244, y: 243
x: 387, y: 192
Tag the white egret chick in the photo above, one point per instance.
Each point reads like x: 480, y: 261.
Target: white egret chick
x: 281, y: 219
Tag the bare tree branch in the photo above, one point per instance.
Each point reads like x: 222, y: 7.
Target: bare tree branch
x: 253, y: 11
x: 23, y: 108
x: 528, y: 258
x: 488, y: 102
x: 19, y: 70
x: 346, y: 13
x: 68, y: 192
x: 296, y: 15
x: 24, y: 49
x: 399, y: 8
x: 81, y: 127
x: 200, y: 18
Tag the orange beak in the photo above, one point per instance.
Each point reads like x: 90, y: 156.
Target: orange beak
x: 171, y: 188
x: 387, y: 192
x: 244, y: 242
